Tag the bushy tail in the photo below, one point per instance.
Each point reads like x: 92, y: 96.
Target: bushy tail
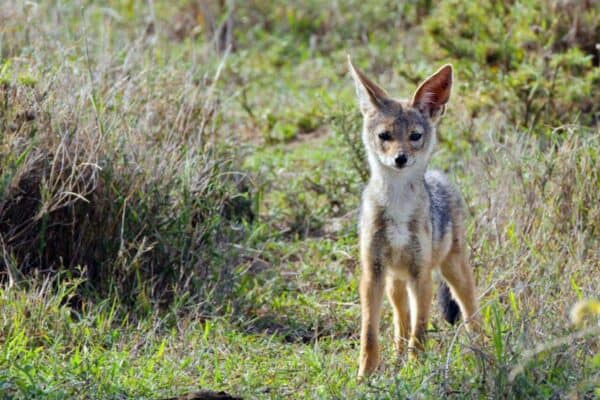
x: 447, y: 304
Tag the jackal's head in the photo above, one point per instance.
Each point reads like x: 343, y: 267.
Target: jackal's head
x: 400, y: 134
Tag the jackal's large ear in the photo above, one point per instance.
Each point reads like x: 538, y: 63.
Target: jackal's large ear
x: 433, y: 94
x: 370, y: 96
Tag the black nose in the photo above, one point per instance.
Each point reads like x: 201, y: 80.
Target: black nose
x: 401, y: 160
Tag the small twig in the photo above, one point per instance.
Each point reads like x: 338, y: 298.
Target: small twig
x: 93, y: 94
x: 122, y: 243
x: 246, y: 105
x: 209, y: 107
x: 9, y: 264
x: 223, y: 34
x: 549, y: 99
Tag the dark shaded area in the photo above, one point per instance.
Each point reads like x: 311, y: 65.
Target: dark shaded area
x: 295, y: 331
x: 206, y: 395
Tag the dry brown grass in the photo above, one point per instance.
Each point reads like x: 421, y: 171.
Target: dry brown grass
x: 110, y: 168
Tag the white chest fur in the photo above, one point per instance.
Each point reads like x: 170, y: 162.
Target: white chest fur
x: 397, y: 232
x: 399, y: 200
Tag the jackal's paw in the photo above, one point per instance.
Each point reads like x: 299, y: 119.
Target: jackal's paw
x: 399, y: 345
x: 367, y: 365
x: 473, y: 326
x: 480, y: 339
x: 415, y: 346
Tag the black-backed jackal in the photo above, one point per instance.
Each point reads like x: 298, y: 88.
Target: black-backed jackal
x: 411, y: 219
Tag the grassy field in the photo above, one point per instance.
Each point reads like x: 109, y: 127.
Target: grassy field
x: 179, y: 184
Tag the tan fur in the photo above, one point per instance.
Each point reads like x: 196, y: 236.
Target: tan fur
x: 401, y: 240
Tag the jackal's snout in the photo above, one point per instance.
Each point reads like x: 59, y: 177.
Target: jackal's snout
x: 400, y: 160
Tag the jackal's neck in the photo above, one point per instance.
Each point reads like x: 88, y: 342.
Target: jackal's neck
x: 397, y: 185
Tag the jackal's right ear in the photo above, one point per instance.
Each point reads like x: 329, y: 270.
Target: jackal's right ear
x: 370, y: 96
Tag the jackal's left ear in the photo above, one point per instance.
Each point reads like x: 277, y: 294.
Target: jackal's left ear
x: 370, y: 96
x: 433, y: 94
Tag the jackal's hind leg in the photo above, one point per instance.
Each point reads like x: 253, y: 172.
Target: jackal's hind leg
x: 457, y: 272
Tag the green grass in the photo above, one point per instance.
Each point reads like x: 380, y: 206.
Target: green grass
x: 176, y: 217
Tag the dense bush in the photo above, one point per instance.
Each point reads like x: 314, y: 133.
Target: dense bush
x: 535, y: 61
x: 110, y: 170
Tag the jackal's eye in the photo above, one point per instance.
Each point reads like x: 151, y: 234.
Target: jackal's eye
x: 414, y: 136
x: 385, y: 136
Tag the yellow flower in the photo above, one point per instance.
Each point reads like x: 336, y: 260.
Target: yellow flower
x: 583, y: 309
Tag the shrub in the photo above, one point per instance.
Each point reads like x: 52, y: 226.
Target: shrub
x: 535, y: 59
x: 111, y: 170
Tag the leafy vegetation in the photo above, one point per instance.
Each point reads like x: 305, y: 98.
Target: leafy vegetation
x: 179, y: 184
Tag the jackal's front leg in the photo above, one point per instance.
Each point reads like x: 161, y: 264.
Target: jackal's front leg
x: 398, y: 296
x: 371, y: 296
x: 420, y: 295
